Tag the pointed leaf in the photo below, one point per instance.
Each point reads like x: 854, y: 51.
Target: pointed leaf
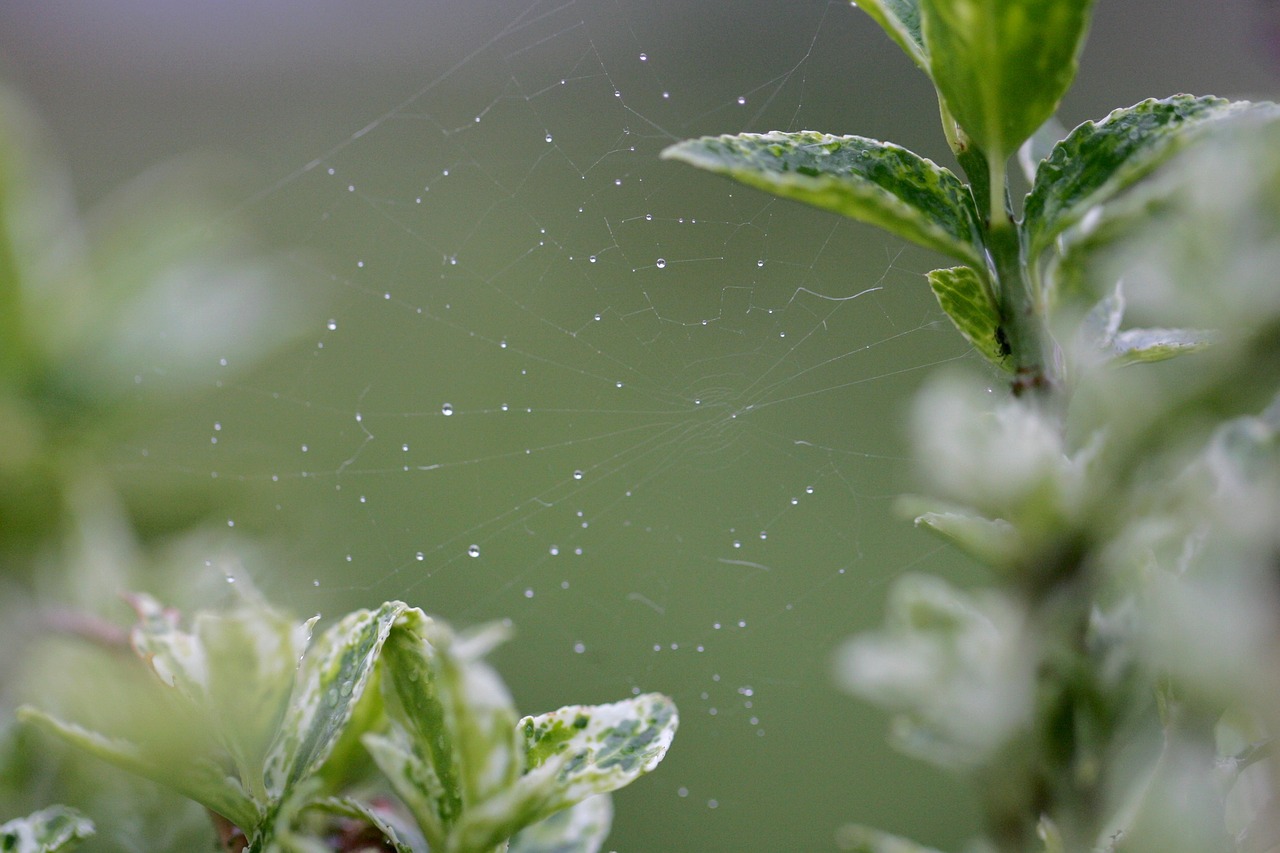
x: 578, y: 829
x: 595, y: 749
x: 1099, y: 160
x: 50, y: 830
x: 416, y: 706
x: 994, y: 542
x: 414, y: 782
x: 874, y: 182
x: 1003, y: 65
x: 1143, y: 345
x: 965, y: 296
x: 196, y: 779
x: 901, y: 20
x: 479, y: 712
x: 331, y: 681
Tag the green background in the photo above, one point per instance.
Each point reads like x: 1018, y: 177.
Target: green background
x: 783, y: 412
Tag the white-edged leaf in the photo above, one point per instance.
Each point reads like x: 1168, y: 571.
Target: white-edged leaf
x: 994, y: 542
x: 196, y: 779
x: 414, y: 782
x: 401, y: 838
x: 594, y: 749
x: 578, y: 829
x: 51, y: 830
x: 965, y: 295
x: 1098, y: 160
x: 875, y: 182
x: 331, y: 680
x: 1039, y: 146
x: 1144, y: 345
x: 236, y: 668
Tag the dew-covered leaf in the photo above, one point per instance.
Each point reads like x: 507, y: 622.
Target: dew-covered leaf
x: 965, y: 296
x: 50, y: 830
x: 578, y: 829
x: 1098, y: 160
x: 875, y: 182
x: 195, y: 778
x: 1143, y: 345
x: 1003, y: 65
x: 901, y: 20
x: 331, y: 681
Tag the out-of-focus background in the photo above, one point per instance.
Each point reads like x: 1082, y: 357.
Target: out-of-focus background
x: 539, y: 374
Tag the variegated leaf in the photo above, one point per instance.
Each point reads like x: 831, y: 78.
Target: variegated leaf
x: 875, y: 182
x: 50, y: 830
x: 414, y: 781
x: 1144, y: 345
x: 965, y: 295
x: 332, y: 678
x: 195, y: 778
x: 594, y: 749
x: 478, y: 709
x: 236, y: 668
x: 578, y: 829
x: 1099, y: 160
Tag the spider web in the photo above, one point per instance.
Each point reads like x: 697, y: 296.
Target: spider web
x: 652, y: 418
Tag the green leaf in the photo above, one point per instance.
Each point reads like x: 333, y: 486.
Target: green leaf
x: 1099, y: 160
x: 901, y: 20
x: 332, y: 678
x: 236, y: 669
x: 1144, y: 345
x: 414, y: 781
x: 578, y: 829
x: 197, y: 779
x: 994, y: 542
x: 50, y: 830
x: 383, y: 823
x: 594, y: 749
x: 965, y: 296
x: 874, y: 182
x: 1003, y: 65
x: 861, y: 839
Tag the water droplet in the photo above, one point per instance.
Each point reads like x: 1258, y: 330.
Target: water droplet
x: 548, y: 137
x: 764, y: 534
x: 644, y: 57
x: 502, y: 343
x: 592, y: 259
x: 446, y: 409
x: 648, y: 217
x: 666, y: 95
x: 528, y: 593
x: 579, y: 648
x: 420, y: 556
x: 577, y: 475
x: 808, y: 490
x: 760, y: 262
x: 333, y: 325
x: 682, y: 792
x: 737, y: 544
x: 554, y: 550
x: 473, y: 551
x: 660, y: 263
x: 741, y: 100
